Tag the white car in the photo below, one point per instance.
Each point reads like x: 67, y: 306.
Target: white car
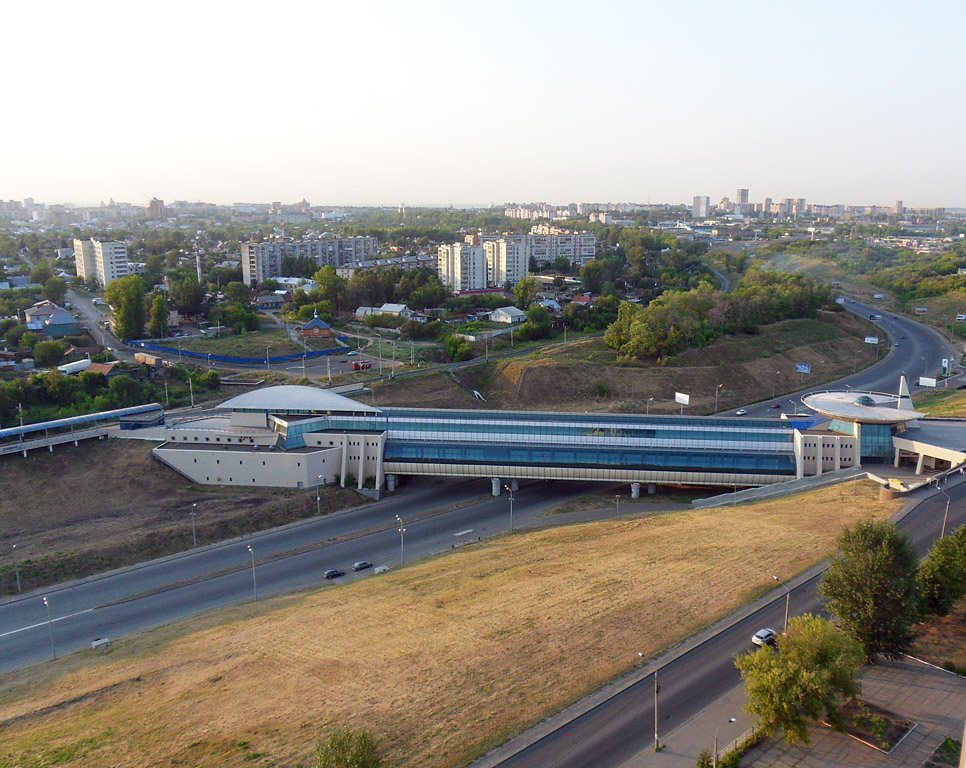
x: 764, y: 637
x: 740, y: 412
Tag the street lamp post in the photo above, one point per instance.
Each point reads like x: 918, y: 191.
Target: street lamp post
x: 647, y: 411
x: 318, y: 496
x: 268, y: 364
x: 209, y: 361
x: 617, y: 496
x: 714, y: 761
x: 254, y: 583
x: 787, y: 597
x: 511, y: 505
x: 946, y: 513
x: 657, y: 688
x: 16, y: 567
x: 50, y: 630
x: 716, y: 391
x: 402, y: 541
x: 194, y: 535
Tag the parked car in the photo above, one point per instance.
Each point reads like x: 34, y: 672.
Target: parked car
x: 740, y: 412
x: 381, y: 569
x: 353, y: 352
x: 334, y: 573
x: 764, y: 637
x: 361, y: 565
x: 776, y: 405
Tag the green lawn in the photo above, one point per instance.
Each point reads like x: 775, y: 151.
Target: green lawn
x: 251, y: 344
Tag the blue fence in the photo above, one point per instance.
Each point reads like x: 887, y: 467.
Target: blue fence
x: 238, y: 360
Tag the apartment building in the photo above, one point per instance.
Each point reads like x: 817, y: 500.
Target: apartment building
x: 547, y: 243
x: 700, y: 207
x: 103, y: 260
x: 261, y: 261
x: 507, y: 259
x: 462, y: 266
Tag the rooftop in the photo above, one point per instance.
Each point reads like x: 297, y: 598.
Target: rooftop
x: 864, y: 407
x: 294, y: 398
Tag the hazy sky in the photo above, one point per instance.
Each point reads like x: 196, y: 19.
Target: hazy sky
x: 477, y: 102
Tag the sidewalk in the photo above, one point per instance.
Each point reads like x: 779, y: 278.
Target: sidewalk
x: 680, y: 747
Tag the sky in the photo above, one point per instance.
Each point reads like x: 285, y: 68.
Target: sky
x: 462, y: 102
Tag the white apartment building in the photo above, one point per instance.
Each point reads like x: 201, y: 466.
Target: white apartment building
x: 102, y: 260
x: 548, y: 243
x: 700, y: 207
x: 261, y: 261
x: 507, y: 259
x: 462, y: 266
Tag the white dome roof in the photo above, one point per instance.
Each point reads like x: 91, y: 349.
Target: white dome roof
x: 295, y: 398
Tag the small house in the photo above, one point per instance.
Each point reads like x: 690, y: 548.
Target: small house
x: 316, y: 328
x: 509, y: 315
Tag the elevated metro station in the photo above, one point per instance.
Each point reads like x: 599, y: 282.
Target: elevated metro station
x: 300, y: 437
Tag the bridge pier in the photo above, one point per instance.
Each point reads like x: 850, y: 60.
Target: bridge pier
x: 651, y: 488
x: 514, y: 485
x: 635, y: 490
x: 495, y: 484
x: 390, y: 483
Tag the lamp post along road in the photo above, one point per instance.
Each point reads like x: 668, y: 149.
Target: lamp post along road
x: 714, y: 760
x: 318, y: 496
x: 16, y: 568
x: 716, y: 391
x: 787, y: 597
x: 402, y: 541
x: 268, y: 365
x: 194, y: 535
x: 50, y: 630
x: 511, y: 505
x: 942, y: 534
x: 254, y: 584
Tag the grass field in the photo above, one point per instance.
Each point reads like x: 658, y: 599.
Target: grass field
x: 941, y: 402
x: 251, y: 344
x: 943, y: 639
x: 85, y: 509
x: 442, y: 659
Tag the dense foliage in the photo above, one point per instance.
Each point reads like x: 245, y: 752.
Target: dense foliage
x: 677, y: 320
x: 942, y: 575
x: 805, y: 681
x: 871, y: 587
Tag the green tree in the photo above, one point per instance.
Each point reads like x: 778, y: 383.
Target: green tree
x: 458, y: 349
x: 126, y: 295
x: 55, y: 289
x: 871, y: 587
x: 29, y: 340
x: 348, y: 748
x: 238, y: 292
x: 41, y: 272
x: 804, y: 681
x: 942, y: 575
x: 48, y: 353
x: 526, y: 291
x: 537, y: 325
x: 158, y: 326
x: 187, y: 296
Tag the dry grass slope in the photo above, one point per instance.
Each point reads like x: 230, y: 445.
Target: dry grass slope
x: 443, y: 659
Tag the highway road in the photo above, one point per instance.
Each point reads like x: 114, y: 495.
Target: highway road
x: 613, y: 732
x: 288, y: 558
x: 920, y: 352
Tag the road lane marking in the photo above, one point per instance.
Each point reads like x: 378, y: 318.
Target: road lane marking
x: 44, y: 623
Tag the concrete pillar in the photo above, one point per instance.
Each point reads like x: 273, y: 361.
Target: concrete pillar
x: 919, y: 463
x: 381, y: 444
x: 390, y: 483
x: 50, y: 447
x: 635, y: 490
x: 514, y: 485
x: 361, y: 477
x: 495, y: 484
x: 818, y: 455
x: 838, y: 453
x: 895, y: 461
x: 651, y: 489
x: 345, y: 458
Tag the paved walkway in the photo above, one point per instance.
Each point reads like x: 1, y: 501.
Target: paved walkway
x: 931, y: 697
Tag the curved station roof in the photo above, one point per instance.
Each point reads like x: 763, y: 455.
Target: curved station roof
x: 294, y: 398
x: 863, y: 407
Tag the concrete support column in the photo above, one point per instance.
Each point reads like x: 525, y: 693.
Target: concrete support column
x: 635, y: 490
x: 818, y: 455
x: 390, y: 483
x: 345, y: 458
x: 895, y: 462
x: 651, y: 489
x: 495, y: 484
x: 50, y: 447
x: 381, y: 444
x: 838, y: 453
x: 514, y: 485
x: 361, y: 477
x: 919, y: 461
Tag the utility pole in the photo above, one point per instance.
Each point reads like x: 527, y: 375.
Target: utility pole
x: 328, y: 369
x: 657, y: 689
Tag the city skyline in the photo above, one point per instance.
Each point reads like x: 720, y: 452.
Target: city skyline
x: 433, y: 104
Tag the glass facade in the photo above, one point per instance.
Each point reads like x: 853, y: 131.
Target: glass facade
x: 876, y: 443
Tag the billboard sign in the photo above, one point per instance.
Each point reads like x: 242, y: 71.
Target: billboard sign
x: 683, y: 399
x: 878, y: 295
x: 803, y: 368
x: 926, y: 382
x: 871, y: 339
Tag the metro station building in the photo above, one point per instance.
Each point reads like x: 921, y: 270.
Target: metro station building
x: 301, y: 437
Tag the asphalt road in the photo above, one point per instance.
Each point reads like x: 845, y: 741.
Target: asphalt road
x: 286, y: 559
x: 920, y: 352
x: 613, y: 732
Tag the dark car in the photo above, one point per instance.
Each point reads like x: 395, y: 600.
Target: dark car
x: 361, y: 565
x: 776, y: 405
x: 334, y: 573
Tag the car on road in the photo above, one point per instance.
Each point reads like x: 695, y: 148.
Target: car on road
x: 896, y: 344
x: 361, y: 565
x: 776, y: 405
x: 902, y: 337
x: 353, y: 352
x: 334, y: 573
x: 740, y: 412
x: 764, y: 637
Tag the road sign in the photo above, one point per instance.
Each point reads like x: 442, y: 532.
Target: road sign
x: 683, y: 399
x: 871, y: 339
x: 926, y: 382
x: 803, y: 368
